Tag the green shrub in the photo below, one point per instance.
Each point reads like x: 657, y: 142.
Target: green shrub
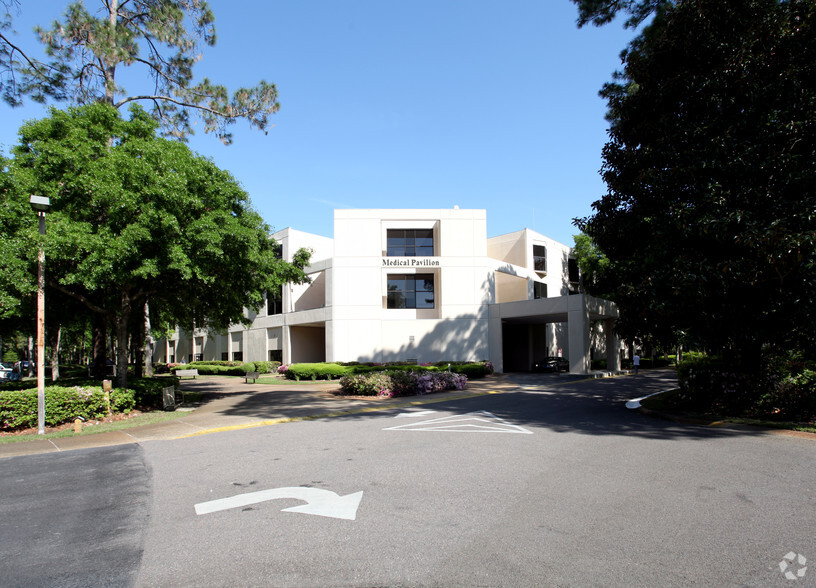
x: 18, y: 408
x: 774, y: 387
x: 473, y: 371
x: 266, y: 367
x: 316, y: 371
x: 793, y: 399
x: 148, y: 391
x: 373, y: 384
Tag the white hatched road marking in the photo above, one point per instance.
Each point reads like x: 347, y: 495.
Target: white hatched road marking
x: 472, y: 422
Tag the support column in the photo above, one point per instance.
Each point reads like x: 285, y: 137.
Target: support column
x: 578, y: 325
x: 286, y: 345
x: 495, y: 342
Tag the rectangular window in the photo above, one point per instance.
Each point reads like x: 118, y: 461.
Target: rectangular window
x: 274, y: 302
x: 539, y: 290
x: 224, y: 356
x: 172, y: 359
x: 574, y: 273
x: 199, y: 357
x: 410, y: 291
x: 410, y: 243
x: 276, y: 355
x: 539, y: 258
x: 237, y: 356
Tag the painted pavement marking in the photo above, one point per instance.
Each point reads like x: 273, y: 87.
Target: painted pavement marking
x: 472, y: 422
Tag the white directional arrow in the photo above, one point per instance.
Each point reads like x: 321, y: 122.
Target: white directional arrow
x: 324, y: 503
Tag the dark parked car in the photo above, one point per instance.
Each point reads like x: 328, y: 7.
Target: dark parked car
x: 552, y: 364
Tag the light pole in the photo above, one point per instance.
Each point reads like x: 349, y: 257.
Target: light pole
x: 40, y: 204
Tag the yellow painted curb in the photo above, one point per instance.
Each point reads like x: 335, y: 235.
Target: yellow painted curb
x: 339, y: 413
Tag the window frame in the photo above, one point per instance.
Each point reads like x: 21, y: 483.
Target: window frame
x: 543, y: 258
x: 416, y: 242
x: 410, y: 291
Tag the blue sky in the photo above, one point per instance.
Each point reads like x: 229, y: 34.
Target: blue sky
x: 427, y: 104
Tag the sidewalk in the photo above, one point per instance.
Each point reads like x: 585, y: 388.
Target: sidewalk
x: 230, y: 403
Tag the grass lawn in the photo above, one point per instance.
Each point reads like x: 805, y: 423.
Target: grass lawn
x: 144, y: 418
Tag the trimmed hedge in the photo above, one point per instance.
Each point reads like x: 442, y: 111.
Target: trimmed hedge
x: 147, y: 392
x: 227, y: 368
x: 333, y: 371
x: 18, y: 408
x: 317, y: 371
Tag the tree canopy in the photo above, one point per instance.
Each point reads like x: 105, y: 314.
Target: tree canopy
x: 600, y: 12
x: 135, y: 217
x: 86, y: 51
x: 709, y: 222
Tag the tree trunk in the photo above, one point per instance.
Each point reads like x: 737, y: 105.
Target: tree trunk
x: 100, y: 328
x: 148, y: 346
x: 137, y: 345
x: 54, y: 343
x: 122, y: 320
x: 31, y: 357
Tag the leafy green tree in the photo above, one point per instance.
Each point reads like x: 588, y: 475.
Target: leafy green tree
x: 85, y: 52
x: 85, y: 55
x: 136, y: 217
x: 593, y: 265
x: 709, y: 222
x: 600, y: 12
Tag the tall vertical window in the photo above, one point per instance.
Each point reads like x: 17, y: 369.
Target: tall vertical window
x: 410, y: 242
x: 539, y: 258
x: 410, y: 291
x: 574, y: 272
x: 539, y: 290
x: 274, y: 301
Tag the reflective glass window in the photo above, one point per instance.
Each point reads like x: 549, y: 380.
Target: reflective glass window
x: 410, y: 291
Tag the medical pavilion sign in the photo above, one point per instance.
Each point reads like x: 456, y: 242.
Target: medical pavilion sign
x: 410, y: 262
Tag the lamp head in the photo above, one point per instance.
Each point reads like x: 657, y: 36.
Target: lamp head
x: 40, y: 203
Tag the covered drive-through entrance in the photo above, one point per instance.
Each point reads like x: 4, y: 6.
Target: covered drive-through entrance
x: 522, y: 332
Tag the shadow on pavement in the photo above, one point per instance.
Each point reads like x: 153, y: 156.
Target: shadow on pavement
x: 563, y: 404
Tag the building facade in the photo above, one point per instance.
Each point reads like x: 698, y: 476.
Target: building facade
x: 419, y: 286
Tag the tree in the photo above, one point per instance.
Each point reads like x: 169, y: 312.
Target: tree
x: 594, y: 267
x: 709, y: 222
x: 136, y: 217
x: 86, y: 52
x: 600, y: 12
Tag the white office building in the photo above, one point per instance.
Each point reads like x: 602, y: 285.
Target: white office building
x: 417, y: 285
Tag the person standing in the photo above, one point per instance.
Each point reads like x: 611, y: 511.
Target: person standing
x: 636, y: 361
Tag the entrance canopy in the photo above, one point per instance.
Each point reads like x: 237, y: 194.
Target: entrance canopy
x: 576, y: 311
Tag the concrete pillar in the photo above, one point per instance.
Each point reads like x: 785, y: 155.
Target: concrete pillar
x: 578, y: 321
x: 494, y: 329
x: 612, y: 346
x: 286, y: 345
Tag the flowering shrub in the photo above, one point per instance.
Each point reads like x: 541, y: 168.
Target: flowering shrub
x: 401, y: 383
x: 372, y: 384
x: 282, y: 369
